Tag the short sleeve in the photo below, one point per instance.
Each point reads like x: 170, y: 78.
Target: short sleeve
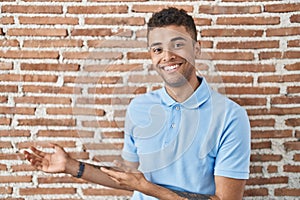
x: 233, y: 157
x: 129, y: 151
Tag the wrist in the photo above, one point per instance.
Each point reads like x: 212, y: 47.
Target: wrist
x: 72, y: 166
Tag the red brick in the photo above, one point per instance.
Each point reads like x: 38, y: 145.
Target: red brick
x: 5, y: 144
x: 280, y: 8
x: 138, y: 55
x: 93, y: 55
x: 202, y: 21
x: 292, y: 122
x: 285, y: 100
x: 231, y: 33
x: 250, y: 101
x: 262, y: 123
x: 256, y: 192
x: 227, y: 56
x: 117, y: 44
x: 15, y: 179
x: 45, y: 144
x: 290, y: 146
x: 32, y: 9
x: 24, y: 54
x: 40, y: 191
x: 53, y: 43
x: 65, y: 133
x: 248, y: 45
x: 132, y: 21
x: 9, y: 43
x: 251, y: 90
x: 49, y: 67
x: 51, y: 90
x: 246, y: 68
x: 11, y: 156
x: 36, y: 32
x: 293, y: 43
x: 292, y: 67
x: 75, y: 111
x: 270, y: 55
x: 274, y: 111
x: 7, y: 20
x: 46, y: 122
x: 103, y: 146
x: 256, y: 169
x: 293, y: 89
x: 6, y: 66
x: 261, y: 145
x: 265, y: 157
x: 117, y: 90
x: 295, y: 18
x: 8, y: 88
x: 248, y: 20
x: 287, y: 192
x: 5, y: 121
x: 291, y: 54
x: 48, y: 20
x: 206, y: 9
x: 283, y: 31
x: 142, y: 8
x: 97, y: 9
x: 112, y: 134
x: 91, y: 32
x: 14, y: 133
x: 279, y: 78
x: 296, y: 157
x: 257, y: 134
x: 272, y: 169
x: 3, y: 99
x: 108, y: 124
x: 42, y: 100
x: 93, y: 79
x: 270, y: 180
x: 17, y: 110
x: 291, y: 168
x: 24, y: 167
x: 113, y: 68
x: 6, y: 190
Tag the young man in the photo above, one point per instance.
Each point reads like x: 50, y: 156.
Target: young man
x: 181, y: 138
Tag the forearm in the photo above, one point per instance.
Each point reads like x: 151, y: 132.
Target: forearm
x: 159, y: 192
x: 91, y: 173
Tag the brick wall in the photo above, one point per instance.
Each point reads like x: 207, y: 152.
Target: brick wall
x: 68, y: 68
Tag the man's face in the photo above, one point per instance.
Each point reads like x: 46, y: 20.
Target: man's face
x: 173, y: 54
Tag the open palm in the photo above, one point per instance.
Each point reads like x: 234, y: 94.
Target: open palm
x: 48, y: 162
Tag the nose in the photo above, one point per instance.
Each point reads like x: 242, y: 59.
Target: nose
x: 168, y: 56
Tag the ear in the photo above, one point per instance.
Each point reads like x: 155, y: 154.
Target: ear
x: 197, y: 49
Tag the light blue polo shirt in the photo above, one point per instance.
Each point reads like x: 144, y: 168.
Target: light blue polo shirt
x: 182, y: 146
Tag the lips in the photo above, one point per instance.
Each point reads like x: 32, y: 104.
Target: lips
x: 170, y: 68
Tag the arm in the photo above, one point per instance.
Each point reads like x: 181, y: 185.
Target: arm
x: 229, y: 188
x: 135, y: 180
x: 61, y: 162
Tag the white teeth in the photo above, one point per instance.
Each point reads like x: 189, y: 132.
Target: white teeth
x: 168, y: 68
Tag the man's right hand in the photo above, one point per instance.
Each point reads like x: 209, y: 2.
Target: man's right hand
x: 48, y: 162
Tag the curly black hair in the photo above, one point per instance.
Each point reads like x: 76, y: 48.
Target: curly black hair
x: 173, y: 16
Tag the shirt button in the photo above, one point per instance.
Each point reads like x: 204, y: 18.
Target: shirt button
x: 173, y: 125
x: 177, y: 108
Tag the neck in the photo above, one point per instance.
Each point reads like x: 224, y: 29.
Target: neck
x: 182, y: 93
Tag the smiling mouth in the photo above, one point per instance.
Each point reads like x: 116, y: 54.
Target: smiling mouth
x: 170, y: 67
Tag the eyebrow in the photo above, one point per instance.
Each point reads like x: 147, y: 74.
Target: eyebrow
x: 172, y: 40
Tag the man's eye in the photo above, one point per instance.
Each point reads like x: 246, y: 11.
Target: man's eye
x: 157, y: 50
x: 178, y: 45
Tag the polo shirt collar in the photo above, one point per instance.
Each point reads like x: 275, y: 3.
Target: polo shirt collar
x: 200, y: 96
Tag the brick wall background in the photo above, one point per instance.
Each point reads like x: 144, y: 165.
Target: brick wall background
x: 68, y: 68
